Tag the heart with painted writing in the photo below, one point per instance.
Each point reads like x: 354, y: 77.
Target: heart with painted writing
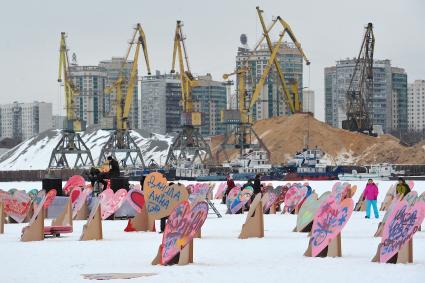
x: 17, y: 205
x: 136, y: 199
x: 198, y: 192
x: 308, y: 209
x: 182, y: 225
x: 329, y: 221
x: 401, y: 225
x: 294, y: 196
x: 110, y: 202
x: 160, y: 198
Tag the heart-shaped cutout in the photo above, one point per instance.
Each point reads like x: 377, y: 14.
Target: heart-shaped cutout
x: 50, y: 196
x: 220, y: 190
x: 198, y: 192
x: 294, y: 196
x: 79, y: 202
x: 136, y: 199
x: 309, y: 209
x: 400, y: 226
x: 73, y: 182
x: 241, y: 199
x: 329, y: 221
x: 231, y: 196
x: 271, y: 198
x: 182, y: 225
x: 110, y: 202
x: 75, y: 194
x: 160, y: 198
x: 17, y: 205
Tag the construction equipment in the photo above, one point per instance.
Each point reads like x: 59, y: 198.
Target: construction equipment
x: 360, y: 90
x: 120, y: 143
x: 239, y: 131
x: 70, y: 143
x: 189, y: 145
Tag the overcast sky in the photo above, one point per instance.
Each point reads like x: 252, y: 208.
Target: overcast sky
x: 98, y: 30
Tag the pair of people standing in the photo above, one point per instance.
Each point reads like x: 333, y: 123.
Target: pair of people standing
x: 371, y: 195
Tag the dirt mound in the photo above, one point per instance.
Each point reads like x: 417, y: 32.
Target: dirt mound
x: 286, y: 135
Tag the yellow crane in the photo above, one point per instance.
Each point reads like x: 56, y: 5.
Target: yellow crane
x: 71, y: 142
x: 120, y: 140
x: 189, y: 146
x: 73, y: 123
x: 294, y: 107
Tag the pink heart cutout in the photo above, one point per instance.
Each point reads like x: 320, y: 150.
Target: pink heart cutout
x: 329, y: 221
x: 294, y: 196
x: 110, y: 202
x: 136, y: 199
x: 17, y: 205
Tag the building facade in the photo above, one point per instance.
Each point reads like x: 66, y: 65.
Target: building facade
x: 271, y: 102
x: 21, y: 121
x: 416, y: 105
x: 90, y: 82
x: 387, y: 107
x: 113, y: 68
x: 161, y: 107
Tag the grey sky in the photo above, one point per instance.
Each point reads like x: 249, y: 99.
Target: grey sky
x: 98, y: 30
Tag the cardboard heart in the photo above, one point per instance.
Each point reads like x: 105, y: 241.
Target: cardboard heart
x: 231, y: 196
x: 33, y: 194
x: 241, y: 199
x: 294, y: 196
x: 329, y: 221
x: 309, y: 209
x: 400, y: 227
x: 198, y: 192
x: 73, y: 182
x: 221, y: 190
x: 411, y: 197
x: 110, y: 202
x: 339, y: 190
x: 270, y: 200
x: 50, y: 196
x: 136, y: 200
x: 182, y: 225
x: 160, y: 198
x: 17, y: 205
x: 82, y: 198
x: 40, y: 196
x: 281, y: 191
x: 75, y: 194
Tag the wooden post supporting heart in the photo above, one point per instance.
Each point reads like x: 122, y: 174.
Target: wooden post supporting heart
x: 83, y: 213
x: 386, y: 203
x: 35, y: 230
x: 185, y: 255
x: 332, y: 250
x: 142, y: 222
x: 92, y: 230
x: 65, y: 218
x: 361, y: 204
x: 254, y: 223
x: 405, y: 255
x: 1, y: 218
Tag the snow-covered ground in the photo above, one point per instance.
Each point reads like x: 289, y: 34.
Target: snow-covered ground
x: 218, y: 257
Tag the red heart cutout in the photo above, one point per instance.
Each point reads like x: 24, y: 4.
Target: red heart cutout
x: 182, y: 225
x: 401, y: 225
x: 17, y: 205
x: 74, y: 181
x: 329, y: 221
x: 75, y: 194
x: 136, y: 199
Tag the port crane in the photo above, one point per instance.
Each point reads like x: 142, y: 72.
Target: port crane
x: 360, y: 91
x: 71, y: 151
x: 240, y: 134
x: 120, y: 142
x: 189, y: 145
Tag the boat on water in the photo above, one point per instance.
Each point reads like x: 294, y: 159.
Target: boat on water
x: 383, y: 172
x: 309, y: 164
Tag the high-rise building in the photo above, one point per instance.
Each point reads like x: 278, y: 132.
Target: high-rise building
x: 416, y: 105
x: 90, y: 82
x: 308, y: 101
x: 113, y: 69
x: 58, y: 121
x: 271, y: 102
x: 24, y: 120
x: 161, y: 108
x: 388, y: 106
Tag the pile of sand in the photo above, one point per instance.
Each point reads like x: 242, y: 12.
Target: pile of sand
x: 284, y: 136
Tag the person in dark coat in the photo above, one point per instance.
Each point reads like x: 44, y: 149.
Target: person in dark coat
x: 96, y: 176
x: 114, y: 167
x: 230, y: 186
x: 257, y: 184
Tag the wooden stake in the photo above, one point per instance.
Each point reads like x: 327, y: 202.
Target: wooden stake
x: 83, y: 213
x: 35, y: 230
x: 142, y: 222
x: 1, y: 218
x: 405, y: 254
x: 65, y: 218
x: 254, y: 223
x: 92, y: 230
x: 185, y: 255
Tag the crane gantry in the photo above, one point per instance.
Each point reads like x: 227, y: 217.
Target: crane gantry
x: 120, y: 140
x: 189, y: 145
x: 70, y: 143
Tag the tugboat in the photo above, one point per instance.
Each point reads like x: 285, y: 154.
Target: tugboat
x: 308, y: 164
x: 248, y: 165
x: 383, y: 172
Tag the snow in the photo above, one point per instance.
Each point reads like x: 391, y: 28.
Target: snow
x: 34, y: 153
x: 218, y: 257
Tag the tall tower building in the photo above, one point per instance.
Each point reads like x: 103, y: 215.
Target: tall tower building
x: 271, y: 102
x: 388, y: 106
x: 416, y: 105
x: 90, y: 82
x: 113, y: 68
